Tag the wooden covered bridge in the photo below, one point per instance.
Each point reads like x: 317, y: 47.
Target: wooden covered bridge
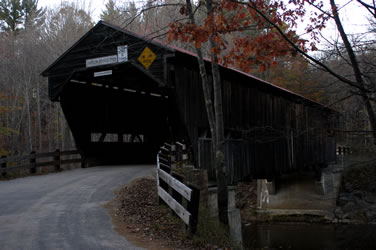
x: 124, y: 95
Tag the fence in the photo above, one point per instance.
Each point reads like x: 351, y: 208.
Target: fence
x: 34, y: 160
x: 344, y: 151
x: 172, y: 190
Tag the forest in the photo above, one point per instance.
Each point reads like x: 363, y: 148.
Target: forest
x: 32, y: 37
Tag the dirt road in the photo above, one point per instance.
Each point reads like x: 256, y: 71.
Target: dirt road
x: 63, y: 210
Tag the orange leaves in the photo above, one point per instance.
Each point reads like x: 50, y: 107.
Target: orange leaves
x: 260, y: 47
x: 261, y: 68
x: 188, y: 33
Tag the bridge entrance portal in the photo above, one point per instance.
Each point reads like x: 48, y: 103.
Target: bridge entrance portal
x: 121, y: 117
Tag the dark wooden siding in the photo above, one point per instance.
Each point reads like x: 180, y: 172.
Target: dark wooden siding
x: 280, y: 132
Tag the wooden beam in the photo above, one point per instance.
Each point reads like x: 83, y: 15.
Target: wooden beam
x: 103, y: 135
x: 175, y: 184
x: 164, y: 165
x: 33, y: 162
x: 3, y: 166
x: 174, y: 205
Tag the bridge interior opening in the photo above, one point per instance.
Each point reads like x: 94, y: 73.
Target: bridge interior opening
x: 122, y: 117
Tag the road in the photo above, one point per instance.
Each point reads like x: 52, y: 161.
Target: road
x: 63, y: 210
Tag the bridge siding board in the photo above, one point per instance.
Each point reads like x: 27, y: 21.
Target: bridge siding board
x: 254, y: 112
x: 246, y: 107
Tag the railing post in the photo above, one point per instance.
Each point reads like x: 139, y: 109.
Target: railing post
x: 161, y: 184
x: 193, y: 208
x: 57, y: 160
x: 173, y: 156
x: 83, y: 160
x: 3, y: 167
x: 33, y: 162
x: 181, y: 154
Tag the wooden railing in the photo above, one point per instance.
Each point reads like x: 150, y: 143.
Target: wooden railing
x: 35, y: 160
x: 344, y: 151
x: 172, y: 190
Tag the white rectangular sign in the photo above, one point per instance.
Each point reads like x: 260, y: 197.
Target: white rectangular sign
x: 103, y: 73
x: 101, y: 61
x: 122, y: 53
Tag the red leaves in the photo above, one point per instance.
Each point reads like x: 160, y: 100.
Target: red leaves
x: 264, y: 45
x: 261, y: 68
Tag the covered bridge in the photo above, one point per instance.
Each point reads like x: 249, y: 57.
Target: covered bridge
x: 124, y: 95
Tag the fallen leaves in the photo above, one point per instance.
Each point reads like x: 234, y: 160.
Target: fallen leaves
x: 140, y: 210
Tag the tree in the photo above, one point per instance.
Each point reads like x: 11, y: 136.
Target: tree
x: 63, y: 27
x: 16, y: 15
x: 296, y: 74
x: 32, y: 15
x: 11, y: 15
x: 111, y: 13
x: 214, y: 111
x: 28, y: 121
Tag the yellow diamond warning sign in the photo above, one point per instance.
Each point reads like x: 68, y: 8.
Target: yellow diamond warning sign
x: 147, y: 57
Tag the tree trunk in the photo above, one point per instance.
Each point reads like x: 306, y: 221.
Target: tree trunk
x: 39, y: 119
x: 215, y: 118
x: 29, y: 121
x: 356, y: 69
x: 57, y: 146
x: 222, y: 197
x: 205, y: 83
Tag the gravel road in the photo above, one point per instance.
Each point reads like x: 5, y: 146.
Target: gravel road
x: 63, y: 210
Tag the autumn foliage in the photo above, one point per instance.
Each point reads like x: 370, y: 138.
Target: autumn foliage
x: 264, y: 44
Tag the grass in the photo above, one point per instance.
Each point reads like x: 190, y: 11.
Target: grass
x: 211, y: 233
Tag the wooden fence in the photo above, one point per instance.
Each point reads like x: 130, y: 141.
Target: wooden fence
x: 172, y: 190
x: 344, y: 151
x: 34, y: 160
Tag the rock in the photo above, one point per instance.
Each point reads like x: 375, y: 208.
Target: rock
x: 335, y: 220
x: 362, y: 203
x: 346, y: 216
x: 349, y: 206
x: 372, y: 207
x: 371, y: 215
x: 346, y: 221
x: 329, y: 217
x: 348, y: 186
x: 358, y: 194
x: 356, y: 215
x: 338, y: 212
x: 344, y: 197
x: 370, y: 199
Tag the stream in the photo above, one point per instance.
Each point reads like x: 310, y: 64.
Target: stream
x: 309, y: 236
